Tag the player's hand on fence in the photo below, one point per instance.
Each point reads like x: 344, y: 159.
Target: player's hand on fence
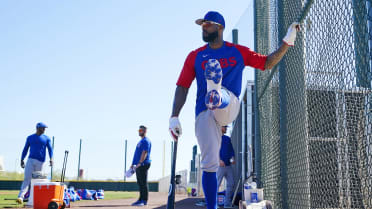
x: 290, y: 38
x: 22, y: 164
x: 50, y: 162
x: 175, y: 128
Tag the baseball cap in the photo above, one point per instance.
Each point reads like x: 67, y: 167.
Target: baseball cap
x: 41, y: 125
x: 212, y: 16
x: 143, y: 127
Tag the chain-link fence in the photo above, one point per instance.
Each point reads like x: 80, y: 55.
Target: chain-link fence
x: 315, y: 116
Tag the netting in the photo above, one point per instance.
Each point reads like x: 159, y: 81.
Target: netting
x: 315, y: 115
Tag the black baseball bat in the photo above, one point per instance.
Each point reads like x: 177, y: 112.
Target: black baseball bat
x: 172, y: 186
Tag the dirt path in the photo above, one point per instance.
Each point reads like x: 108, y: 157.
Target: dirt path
x: 156, y: 201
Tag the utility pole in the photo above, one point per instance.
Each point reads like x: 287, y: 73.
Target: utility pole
x: 51, y: 167
x: 78, y: 176
x: 125, y: 160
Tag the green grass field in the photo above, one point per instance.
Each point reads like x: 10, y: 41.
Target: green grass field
x: 4, y: 194
x: 109, y: 195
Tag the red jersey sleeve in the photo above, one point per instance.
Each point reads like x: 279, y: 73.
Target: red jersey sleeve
x: 188, y: 71
x: 252, y: 58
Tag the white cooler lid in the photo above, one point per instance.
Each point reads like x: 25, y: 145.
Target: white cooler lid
x: 46, y: 183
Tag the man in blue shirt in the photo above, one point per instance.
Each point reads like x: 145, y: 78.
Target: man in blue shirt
x: 141, y: 162
x: 37, y: 143
x: 225, y: 170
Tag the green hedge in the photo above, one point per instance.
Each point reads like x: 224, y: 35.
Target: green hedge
x: 94, y: 185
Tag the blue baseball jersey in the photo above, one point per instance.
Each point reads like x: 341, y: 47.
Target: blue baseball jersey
x: 232, y: 57
x: 226, y: 150
x: 143, y: 145
x: 37, y: 145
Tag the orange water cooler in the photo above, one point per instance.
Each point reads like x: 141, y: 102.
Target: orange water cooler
x: 49, y: 195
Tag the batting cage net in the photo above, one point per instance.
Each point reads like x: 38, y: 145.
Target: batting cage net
x: 315, y: 107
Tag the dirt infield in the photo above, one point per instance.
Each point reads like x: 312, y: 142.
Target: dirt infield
x: 156, y: 201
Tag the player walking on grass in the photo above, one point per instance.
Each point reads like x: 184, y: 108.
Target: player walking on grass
x: 37, y: 143
x: 218, y: 68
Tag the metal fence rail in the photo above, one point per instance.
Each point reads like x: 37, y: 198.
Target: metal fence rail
x: 315, y: 111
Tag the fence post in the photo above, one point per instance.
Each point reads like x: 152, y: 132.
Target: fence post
x: 78, y: 176
x: 362, y: 54
x: 257, y: 136
x: 283, y: 113
x: 51, y: 167
x: 125, y: 161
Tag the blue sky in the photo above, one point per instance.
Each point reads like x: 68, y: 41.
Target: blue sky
x: 96, y: 70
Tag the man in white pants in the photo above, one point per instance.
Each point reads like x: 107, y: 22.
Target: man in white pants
x: 218, y: 67
x: 37, y: 143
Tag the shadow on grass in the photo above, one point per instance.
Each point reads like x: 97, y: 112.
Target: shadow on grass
x: 100, y: 206
x: 182, y: 204
x: 10, y: 205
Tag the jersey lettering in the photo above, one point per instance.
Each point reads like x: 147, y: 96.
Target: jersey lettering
x: 230, y: 62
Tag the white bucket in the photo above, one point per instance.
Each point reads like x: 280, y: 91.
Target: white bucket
x: 30, y: 201
x: 253, y: 195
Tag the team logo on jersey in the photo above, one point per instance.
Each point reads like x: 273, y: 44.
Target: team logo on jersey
x: 224, y: 62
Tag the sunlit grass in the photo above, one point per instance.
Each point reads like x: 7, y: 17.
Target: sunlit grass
x: 7, y: 197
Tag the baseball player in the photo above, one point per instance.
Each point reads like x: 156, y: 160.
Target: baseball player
x: 141, y: 163
x: 227, y: 158
x: 218, y: 68
x: 37, y: 143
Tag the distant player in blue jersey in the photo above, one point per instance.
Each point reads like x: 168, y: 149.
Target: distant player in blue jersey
x: 141, y: 162
x: 37, y: 143
x: 227, y: 158
x: 218, y: 68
